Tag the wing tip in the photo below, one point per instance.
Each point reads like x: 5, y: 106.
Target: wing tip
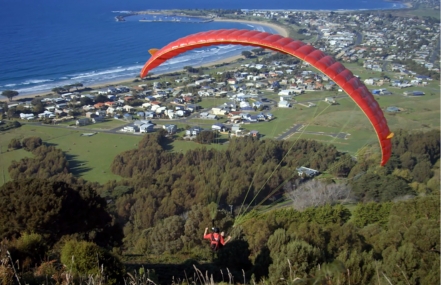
x: 152, y: 51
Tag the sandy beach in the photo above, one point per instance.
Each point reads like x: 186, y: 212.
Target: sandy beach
x: 280, y: 30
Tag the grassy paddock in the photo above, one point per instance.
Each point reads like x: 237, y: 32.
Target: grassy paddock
x: 89, y: 157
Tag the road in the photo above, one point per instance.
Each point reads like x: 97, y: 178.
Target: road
x: 294, y: 129
x: 435, y: 52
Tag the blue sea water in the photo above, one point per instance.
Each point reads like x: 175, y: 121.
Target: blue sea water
x: 50, y: 43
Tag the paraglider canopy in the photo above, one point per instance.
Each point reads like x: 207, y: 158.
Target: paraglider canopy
x: 326, y: 64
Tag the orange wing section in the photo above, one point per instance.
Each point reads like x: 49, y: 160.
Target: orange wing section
x: 326, y: 64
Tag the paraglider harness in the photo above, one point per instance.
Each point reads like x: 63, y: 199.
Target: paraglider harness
x: 215, y: 242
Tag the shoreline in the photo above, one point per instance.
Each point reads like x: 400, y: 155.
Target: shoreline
x: 279, y: 29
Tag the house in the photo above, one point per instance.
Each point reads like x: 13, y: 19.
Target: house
x: 235, y: 127
x: 141, y: 122
x: 130, y: 129
x: 182, y: 113
x: 83, y: 122
x: 369, y: 81
x: 110, y: 110
x: 193, y: 131
x: 171, y: 129
x: 110, y: 104
x: 257, y: 104
x: 98, y: 119
x: 98, y: 105
x: 283, y: 104
x: 305, y: 171
x: 269, y: 116
x: 212, y: 117
x: 90, y: 115
x: 218, y: 111
x: 128, y: 108
x: 149, y: 115
x: 127, y: 117
x: 218, y: 127
x: 146, y: 128
x: 203, y: 115
x: 46, y: 114
x: 192, y: 108
x: 25, y: 116
x: 260, y: 117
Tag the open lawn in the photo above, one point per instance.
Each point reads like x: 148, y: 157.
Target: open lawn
x: 109, y: 124
x: 210, y: 102
x: 89, y: 157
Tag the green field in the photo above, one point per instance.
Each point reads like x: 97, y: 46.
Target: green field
x: 89, y: 157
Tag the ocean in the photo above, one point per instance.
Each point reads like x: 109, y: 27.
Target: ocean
x: 52, y: 43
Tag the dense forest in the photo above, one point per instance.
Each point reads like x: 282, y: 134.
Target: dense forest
x: 357, y: 223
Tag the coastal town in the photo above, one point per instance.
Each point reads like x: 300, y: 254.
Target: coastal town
x: 398, y: 55
x: 220, y: 146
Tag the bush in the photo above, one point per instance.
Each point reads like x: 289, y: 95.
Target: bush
x: 10, y: 125
x: 86, y: 258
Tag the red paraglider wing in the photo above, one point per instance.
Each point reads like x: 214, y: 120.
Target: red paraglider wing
x: 326, y: 64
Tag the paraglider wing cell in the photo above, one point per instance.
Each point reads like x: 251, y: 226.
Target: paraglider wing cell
x: 324, y: 63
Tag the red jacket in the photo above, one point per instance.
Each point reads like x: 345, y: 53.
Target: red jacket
x: 216, y: 237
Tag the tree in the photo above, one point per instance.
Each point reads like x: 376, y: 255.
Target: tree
x: 258, y: 51
x: 206, y: 137
x: 67, y: 87
x: 50, y: 208
x: 101, y: 99
x: 372, y: 212
x: 57, y: 90
x: 10, y: 94
x: 246, y: 54
x: 31, y: 143
x: 76, y: 85
x: 38, y: 108
x: 14, y: 144
x: 86, y: 101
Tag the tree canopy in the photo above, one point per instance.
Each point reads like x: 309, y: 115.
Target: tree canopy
x: 10, y: 94
x: 52, y: 209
